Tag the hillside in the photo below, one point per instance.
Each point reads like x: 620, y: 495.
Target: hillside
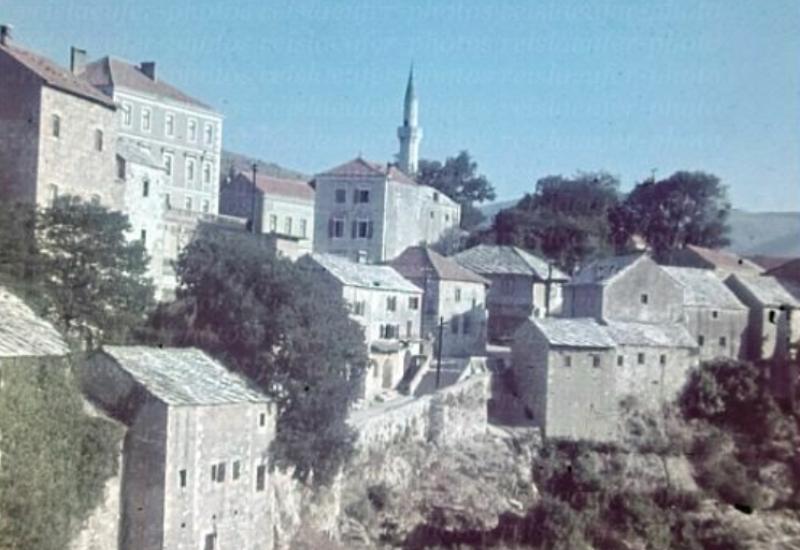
x: 243, y: 163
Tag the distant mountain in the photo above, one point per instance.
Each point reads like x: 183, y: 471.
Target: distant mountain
x: 752, y: 233
x: 243, y: 163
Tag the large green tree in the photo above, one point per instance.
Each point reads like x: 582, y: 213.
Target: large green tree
x: 458, y: 178
x: 270, y: 320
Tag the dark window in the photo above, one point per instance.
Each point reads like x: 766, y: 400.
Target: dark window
x: 341, y: 195
x: 413, y: 303
x: 337, y: 228
x: 466, y: 327
x: 210, y: 541
x: 701, y: 340
x: 144, y: 237
x: 567, y: 360
x: 120, y: 168
x: 454, y: 325
x: 213, y: 472
x: 662, y: 359
x: 221, y: 472
x: 391, y: 303
x: 182, y: 475
x: 362, y: 230
x: 262, y: 419
x: 640, y: 358
x: 772, y: 316
x: 261, y: 477
x: 359, y: 308
x: 435, y: 199
x: 409, y: 328
x: 458, y: 295
x: 620, y: 360
x: 360, y: 196
x: 237, y: 468
x: 56, y: 126
x: 98, y: 140
x: 146, y: 188
x: 596, y: 361
x: 723, y: 341
x: 644, y: 298
x: 714, y: 314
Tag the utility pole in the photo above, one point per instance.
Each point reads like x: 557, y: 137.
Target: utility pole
x: 253, y: 200
x: 439, y: 353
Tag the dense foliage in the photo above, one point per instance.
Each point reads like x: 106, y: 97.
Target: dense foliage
x: 268, y: 319
x: 75, y: 264
x: 55, y: 458
x: 458, y: 178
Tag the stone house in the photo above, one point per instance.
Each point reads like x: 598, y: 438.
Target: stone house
x: 774, y: 314
x: 386, y: 305
x: 573, y: 374
x: 522, y: 285
x: 715, y: 317
x: 195, y: 463
x: 182, y: 133
x: 281, y: 207
x: 371, y: 212
x: 624, y: 288
x: 58, y: 131
x: 451, y: 293
x: 722, y: 262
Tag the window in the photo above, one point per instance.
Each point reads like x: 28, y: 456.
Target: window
x: 413, y: 302
x: 143, y: 236
x: 389, y: 332
x: 644, y: 298
x: 168, y: 161
x: 337, y: 228
x: 190, y: 169
x: 435, y: 199
x: 220, y: 472
x: 207, y: 173
x: 662, y: 359
x: 288, y: 225
x: 454, y: 325
x: 213, y: 472
x: 210, y: 540
x: 167, y: 203
x: 262, y: 419
x: 208, y: 133
x: 714, y: 314
x: 341, y: 196
x: 206, y: 206
x: 701, y: 340
x: 303, y: 228
x: 146, y: 119
x: 192, y: 130
x: 98, y: 140
x: 359, y: 308
x: 640, y: 358
x: 273, y: 222
x: 261, y: 474
x: 596, y: 361
x: 391, y: 303
x: 771, y: 316
x: 55, y: 126
x: 360, y: 196
x: 723, y: 341
x: 409, y: 328
x: 567, y: 360
x: 458, y: 295
x: 169, y: 125
x: 127, y: 114
x: 237, y: 469
x: 52, y: 193
x: 466, y: 324
x: 362, y: 230
x: 182, y: 476
x: 120, y: 168
x: 146, y: 188
x: 187, y: 203
x: 620, y: 360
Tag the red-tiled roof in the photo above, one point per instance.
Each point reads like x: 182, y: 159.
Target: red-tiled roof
x: 270, y: 185
x: 110, y: 72
x: 361, y: 168
x: 417, y: 262
x: 55, y: 76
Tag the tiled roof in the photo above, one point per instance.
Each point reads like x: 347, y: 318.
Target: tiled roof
x: 417, y: 262
x: 132, y: 153
x: 701, y: 288
x: 57, y: 77
x: 282, y: 187
x: 772, y: 262
x: 361, y: 168
x: 650, y: 334
x: 23, y: 333
x: 506, y: 260
x: 363, y: 275
x: 602, y: 271
x: 574, y: 333
x: 721, y: 259
x: 771, y: 291
x: 184, y: 376
x: 789, y: 270
x: 113, y: 72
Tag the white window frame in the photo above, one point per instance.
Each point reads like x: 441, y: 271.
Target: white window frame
x: 208, y: 133
x: 169, y: 167
x: 206, y: 172
x: 169, y: 124
x: 127, y: 114
x: 365, y: 225
x: 149, y: 119
x: 191, y: 130
x: 191, y: 163
x: 338, y: 222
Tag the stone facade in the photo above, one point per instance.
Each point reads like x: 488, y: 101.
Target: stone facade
x: 370, y: 212
x: 195, y: 456
x: 58, y: 133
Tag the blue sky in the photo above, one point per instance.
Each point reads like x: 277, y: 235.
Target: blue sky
x: 529, y: 88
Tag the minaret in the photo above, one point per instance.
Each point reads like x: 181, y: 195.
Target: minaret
x: 409, y: 133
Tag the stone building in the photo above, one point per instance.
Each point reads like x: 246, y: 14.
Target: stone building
x: 182, y: 133
x: 716, y: 319
x: 58, y: 132
x: 195, y: 468
x: 451, y: 293
x: 386, y: 305
x: 371, y: 212
x: 723, y: 263
x: 774, y: 314
x: 281, y: 207
x: 522, y: 285
x: 573, y: 374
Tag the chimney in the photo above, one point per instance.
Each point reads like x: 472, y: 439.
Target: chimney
x: 5, y: 34
x: 149, y: 69
x: 77, y: 60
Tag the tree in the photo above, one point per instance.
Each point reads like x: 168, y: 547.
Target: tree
x: 268, y: 319
x: 685, y: 208
x: 76, y: 265
x: 458, y: 179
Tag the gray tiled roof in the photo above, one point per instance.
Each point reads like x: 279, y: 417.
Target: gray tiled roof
x: 600, y: 272
x: 184, y: 376
x: 23, y: 333
x: 416, y: 262
x: 582, y: 332
x: 650, y: 334
x: 132, y: 153
x: 363, y: 275
x: 701, y: 288
x: 771, y: 291
x: 505, y: 260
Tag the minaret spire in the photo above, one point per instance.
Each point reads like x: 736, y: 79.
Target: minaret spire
x: 409, y: 133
